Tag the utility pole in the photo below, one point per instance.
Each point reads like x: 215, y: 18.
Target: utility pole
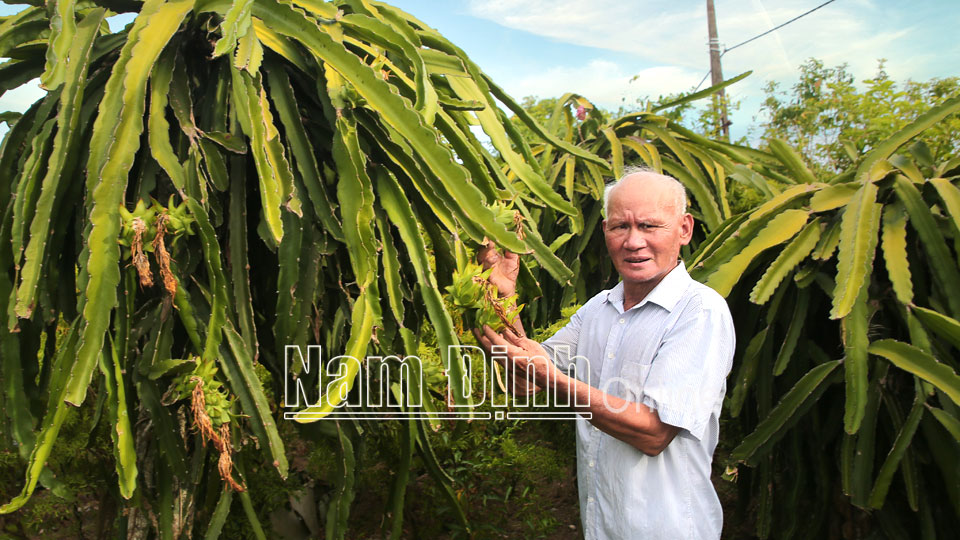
x: 716, y: 73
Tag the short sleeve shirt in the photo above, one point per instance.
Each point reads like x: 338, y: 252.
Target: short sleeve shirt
x: 672, y: 352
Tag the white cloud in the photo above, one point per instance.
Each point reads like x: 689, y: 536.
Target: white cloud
x: 624, y: 26
x: 605, y: 83
x: 673, y: 35
x: 667, y: 32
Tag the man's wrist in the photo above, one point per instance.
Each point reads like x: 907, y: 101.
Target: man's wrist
x: 560, y: 380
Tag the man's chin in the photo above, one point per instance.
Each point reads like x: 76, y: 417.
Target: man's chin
x: 642, y: 270
x: 637, y: 278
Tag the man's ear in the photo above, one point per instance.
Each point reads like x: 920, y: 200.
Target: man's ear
x: 603, y: 225
x: 686, y: 229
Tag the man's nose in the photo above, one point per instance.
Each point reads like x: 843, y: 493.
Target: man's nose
x: 635, y: 240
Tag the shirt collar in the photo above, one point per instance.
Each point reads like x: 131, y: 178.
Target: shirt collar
x: 666, y: 294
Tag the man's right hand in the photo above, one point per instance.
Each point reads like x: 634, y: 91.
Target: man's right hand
x: 506, y: 267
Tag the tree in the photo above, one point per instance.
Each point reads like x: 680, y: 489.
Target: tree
x: 539, y: 110
x: 846, y: 299
x: 681, y: 108
x: 833, y: 122
x: 249, y: 175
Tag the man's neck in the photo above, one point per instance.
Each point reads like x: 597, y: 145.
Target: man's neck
x: 634, y: 293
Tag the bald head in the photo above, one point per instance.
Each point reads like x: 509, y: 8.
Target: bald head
x: 668, y: 189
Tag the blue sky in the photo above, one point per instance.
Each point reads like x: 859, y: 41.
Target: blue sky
x: 596, y: 47
x: 617, y: 51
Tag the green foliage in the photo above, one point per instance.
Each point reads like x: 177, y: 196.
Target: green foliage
x: 539, y: 109
x: 702, y: 118
x: 722, y: 179
x: 816, y: 271
x: 317, y: 164
x: 844, y: 271
x: 705, y: 119
x: 515, y: 478
x: 83, y: 476
x: 833, y: 122
x: 320, y: 175
x: 541, y: 334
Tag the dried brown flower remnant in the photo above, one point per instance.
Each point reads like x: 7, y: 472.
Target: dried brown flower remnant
x: 225, y: 463
x: 518, y: 224
x: 201, y: 420
x: 496, y: 304
x: 219, y: 437
x: 140, y: 261
x: 163, y: 257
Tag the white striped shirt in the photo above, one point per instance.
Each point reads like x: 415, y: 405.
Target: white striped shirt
x: 672, y: 352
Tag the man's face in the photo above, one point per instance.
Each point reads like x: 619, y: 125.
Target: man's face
x: 644, y: 230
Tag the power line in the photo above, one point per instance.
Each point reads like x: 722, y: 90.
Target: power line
x: 702, y: 81
x: 798, y: 17
x: 758, y: 36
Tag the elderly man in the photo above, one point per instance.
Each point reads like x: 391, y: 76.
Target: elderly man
x: 652, y: 356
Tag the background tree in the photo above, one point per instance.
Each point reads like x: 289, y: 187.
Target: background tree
x: 833, y: 121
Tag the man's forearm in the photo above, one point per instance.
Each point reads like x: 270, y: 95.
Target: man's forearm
x: 633, y: 423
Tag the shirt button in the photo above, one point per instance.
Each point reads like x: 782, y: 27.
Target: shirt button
x: 590, y: 499
x: 610, y: 355
x: 622, y: 321
x: 592, y: 463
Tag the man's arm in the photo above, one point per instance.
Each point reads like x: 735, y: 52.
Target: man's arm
x: 633, y: 423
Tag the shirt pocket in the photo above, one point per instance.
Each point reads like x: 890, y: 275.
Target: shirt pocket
x: 633, y: 375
